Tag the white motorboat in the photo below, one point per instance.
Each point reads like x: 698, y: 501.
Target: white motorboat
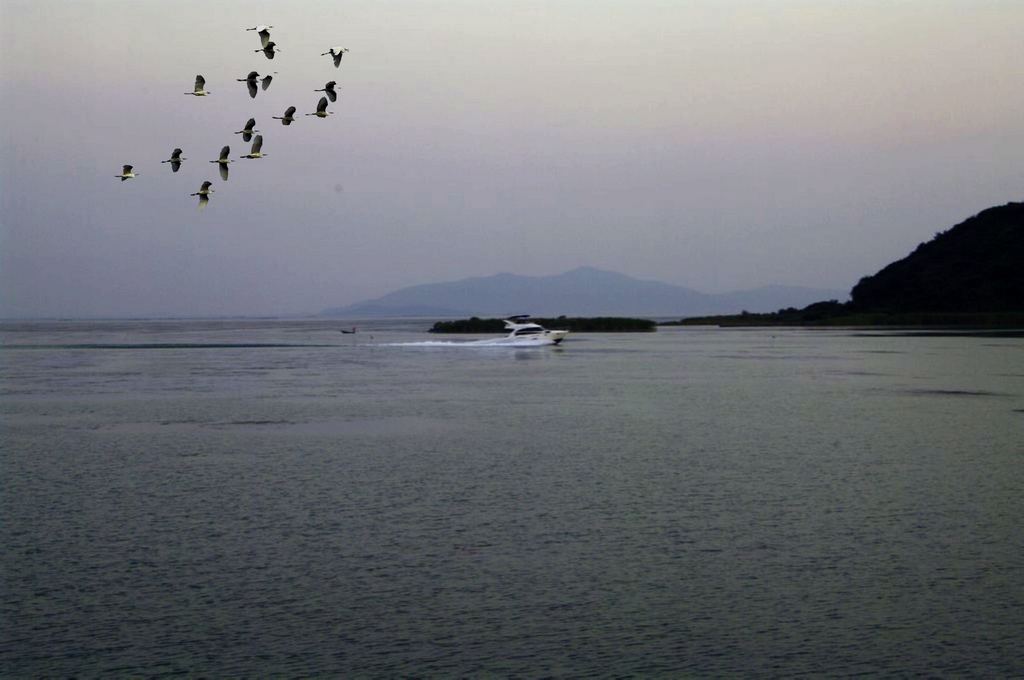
x: 523, y: 333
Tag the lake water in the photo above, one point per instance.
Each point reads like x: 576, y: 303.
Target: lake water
x: 227, y: 498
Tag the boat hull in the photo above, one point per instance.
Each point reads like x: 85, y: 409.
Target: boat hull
x: 539, y: 340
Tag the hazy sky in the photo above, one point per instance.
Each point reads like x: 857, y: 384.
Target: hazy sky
x: 716, y: 145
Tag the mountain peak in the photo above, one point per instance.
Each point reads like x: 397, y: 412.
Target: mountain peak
x: 586, y: 291
x: 592, y: 272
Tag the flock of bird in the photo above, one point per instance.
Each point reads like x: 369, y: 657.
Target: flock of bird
x: 269, y: 49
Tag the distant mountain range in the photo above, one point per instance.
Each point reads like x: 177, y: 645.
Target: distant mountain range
x: 585, y: 291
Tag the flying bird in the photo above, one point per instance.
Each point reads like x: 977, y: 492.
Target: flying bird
x: 204, y: 189
x: 257, y: 145
x: 247, y: 131
x: 329, y: 89
x: 198, y: 89
x: 269, y: 50
x: 223, y: 161
x: 204, y: 193
x: 264, y: 35
x: 263, y: 32
x: 337, y: 53
x: 126, y: 173
x: 321, y: 109
x: 250, y: 82
x: 175, y: 160
x: 288, y: 117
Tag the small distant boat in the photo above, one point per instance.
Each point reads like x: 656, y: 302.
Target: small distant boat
x: 523, y: 333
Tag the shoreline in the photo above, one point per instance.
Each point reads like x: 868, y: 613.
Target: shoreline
x: 868, y: 320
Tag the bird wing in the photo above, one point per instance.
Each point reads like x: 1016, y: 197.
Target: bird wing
x: 321, y: 106
x: 126, y: 170
x: 251, y: 86
x: 257, y: 144
x: 206, y: 185
x: 289, y: 112
x: 176, y: 155
x: 224, y: 171
x: 266, y: 81
x: 252, y: 75
x: 250, y: 124
x: 337, y: 59
x: 200, y: 83
x: 224, y: 153
x: 264, y: 37
x: 330, y: 85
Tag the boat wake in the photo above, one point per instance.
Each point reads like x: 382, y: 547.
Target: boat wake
x: 475, y: 344
x: 521, y: 334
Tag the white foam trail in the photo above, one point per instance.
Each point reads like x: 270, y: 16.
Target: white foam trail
x: 498, y: 342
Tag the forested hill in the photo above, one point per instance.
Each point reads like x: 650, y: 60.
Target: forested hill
x: 977, y: 266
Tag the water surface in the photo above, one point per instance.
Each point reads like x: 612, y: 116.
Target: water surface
x: 274, y: 497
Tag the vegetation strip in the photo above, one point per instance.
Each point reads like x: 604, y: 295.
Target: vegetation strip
x: 596, y: 324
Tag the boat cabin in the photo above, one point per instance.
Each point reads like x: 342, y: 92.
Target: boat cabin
x: 529, y: 329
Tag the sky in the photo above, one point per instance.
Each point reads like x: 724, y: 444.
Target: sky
x: 718, y: 145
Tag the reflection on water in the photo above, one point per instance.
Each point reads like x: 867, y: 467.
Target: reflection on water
x: 261, y: 497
